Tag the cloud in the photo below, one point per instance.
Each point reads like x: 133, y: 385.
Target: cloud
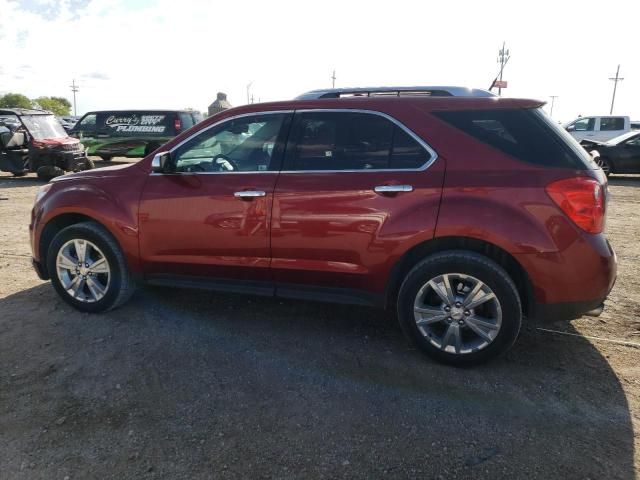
x: 169, y: 54
x: 96, y: 75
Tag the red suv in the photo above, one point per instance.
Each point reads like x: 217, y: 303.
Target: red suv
x: 463, y: 211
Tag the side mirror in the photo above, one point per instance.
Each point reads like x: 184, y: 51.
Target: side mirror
x: 571, y: 128
x: 160, y: 162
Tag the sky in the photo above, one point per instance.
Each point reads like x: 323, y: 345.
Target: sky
x: 179, y: 53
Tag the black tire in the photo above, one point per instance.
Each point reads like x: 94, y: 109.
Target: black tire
x: 106, y: 158
x: 121, y: 285
x: 465, y: 263
x: 606, y: 166
x: 87, y: 164
x: 47, y: 172
x: 19, y: 174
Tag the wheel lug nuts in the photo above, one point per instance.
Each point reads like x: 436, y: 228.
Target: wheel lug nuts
x: 86, y: 265
x: 460, y: 322
x: 458, y: 304
x: 449, y: 319
x: 447, y: 308
x: 467, y: 313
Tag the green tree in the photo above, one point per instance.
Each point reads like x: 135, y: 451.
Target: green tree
x: 15, y: 100
x: 58, y: 105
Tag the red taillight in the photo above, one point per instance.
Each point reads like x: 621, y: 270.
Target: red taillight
x: 582, y: 199
x: 177, y: 124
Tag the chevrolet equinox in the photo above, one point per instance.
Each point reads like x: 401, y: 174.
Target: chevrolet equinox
x: 464, y: 212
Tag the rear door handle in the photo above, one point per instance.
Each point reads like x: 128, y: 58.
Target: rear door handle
x: 393, y: 188
x: 249, y: 194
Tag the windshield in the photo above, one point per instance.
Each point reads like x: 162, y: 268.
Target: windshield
x: 622, y: 138
x: 43, y: 127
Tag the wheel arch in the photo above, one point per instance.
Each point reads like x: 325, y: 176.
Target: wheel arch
x: 55, y: 225
x: 489, y: 250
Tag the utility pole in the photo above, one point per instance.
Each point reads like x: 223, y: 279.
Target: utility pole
x: 333, y: 79
x: 503, y: 58
x: 74, y: 89
x: 615, y: 79
x: 553, y: 101
x: 248, y: 87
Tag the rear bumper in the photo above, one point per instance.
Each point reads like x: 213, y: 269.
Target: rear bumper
x: 582, y: 274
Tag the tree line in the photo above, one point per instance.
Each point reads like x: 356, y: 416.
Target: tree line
x: 60, y: 106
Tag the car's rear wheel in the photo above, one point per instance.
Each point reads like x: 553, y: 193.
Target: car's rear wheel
x: 88, y: 268
x: 460, y: 308
x: 106, y: 158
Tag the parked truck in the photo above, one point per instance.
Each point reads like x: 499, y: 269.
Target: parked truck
x: 601, y: 127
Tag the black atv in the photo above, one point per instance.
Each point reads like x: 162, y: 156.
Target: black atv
x: 34, y: 141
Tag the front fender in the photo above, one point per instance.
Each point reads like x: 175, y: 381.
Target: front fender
x: 109, y: 201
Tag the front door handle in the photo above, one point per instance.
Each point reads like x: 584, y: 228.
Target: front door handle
x: 393, y: 188
x: 249, y: 194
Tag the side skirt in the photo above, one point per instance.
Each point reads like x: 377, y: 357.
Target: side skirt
x: 270, y: 289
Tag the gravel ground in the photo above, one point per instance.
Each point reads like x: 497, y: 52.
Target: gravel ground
x: 186, y: 384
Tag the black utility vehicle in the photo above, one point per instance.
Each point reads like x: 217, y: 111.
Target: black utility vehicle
x: 130, y: 133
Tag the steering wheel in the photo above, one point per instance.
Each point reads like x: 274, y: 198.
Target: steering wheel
x: 225, y: 163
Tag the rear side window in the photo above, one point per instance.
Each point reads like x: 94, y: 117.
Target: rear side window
x: 612, y: 123
x: 351, y: 141
x: 526, y: 134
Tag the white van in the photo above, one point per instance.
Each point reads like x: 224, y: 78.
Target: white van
x: 600, y: 128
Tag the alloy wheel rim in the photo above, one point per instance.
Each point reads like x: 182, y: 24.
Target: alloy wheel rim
x: 83, y: 270
x: 457, y: 313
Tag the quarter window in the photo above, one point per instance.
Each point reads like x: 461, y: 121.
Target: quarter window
x: 526, y: 134
x: 351, y: 141
x: 243, y: 144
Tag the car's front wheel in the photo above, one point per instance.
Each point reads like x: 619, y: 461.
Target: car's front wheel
x: 460, y: 308
x: 88, y: 268
x: 605, y: 165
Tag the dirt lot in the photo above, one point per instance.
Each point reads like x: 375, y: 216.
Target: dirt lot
x: 181, y: 384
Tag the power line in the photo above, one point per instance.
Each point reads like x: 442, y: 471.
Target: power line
x: 248, y: 94
x: 615, y: 79
x: 74, y: 89
x: 553, y: 101
x: 503, y: 58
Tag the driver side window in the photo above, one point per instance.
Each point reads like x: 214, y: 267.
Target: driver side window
x: 243, y: 144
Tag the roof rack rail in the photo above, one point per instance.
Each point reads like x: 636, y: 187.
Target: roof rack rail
x: 440, y: 91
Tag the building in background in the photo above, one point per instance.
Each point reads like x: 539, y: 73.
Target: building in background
x: 221, y: 103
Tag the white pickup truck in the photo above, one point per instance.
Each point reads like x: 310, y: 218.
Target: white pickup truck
x: 600, y: 128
